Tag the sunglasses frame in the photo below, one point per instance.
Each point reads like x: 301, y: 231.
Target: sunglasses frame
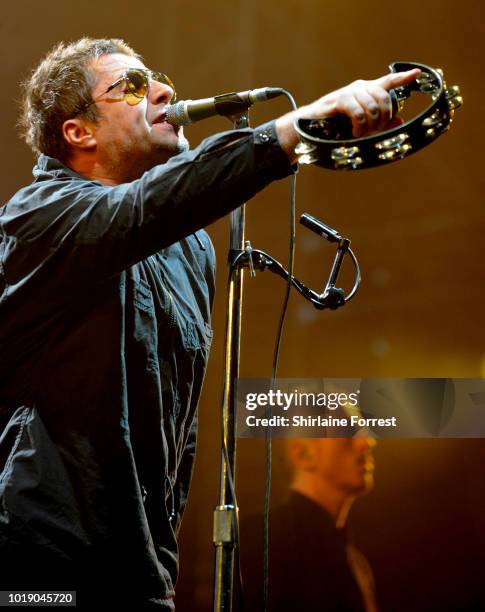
x: 130, y: 97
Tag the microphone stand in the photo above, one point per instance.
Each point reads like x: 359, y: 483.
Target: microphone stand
x: 224, y: 514
x: 241, y: 255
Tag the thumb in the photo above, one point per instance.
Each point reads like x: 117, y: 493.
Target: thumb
x: 394, y: 122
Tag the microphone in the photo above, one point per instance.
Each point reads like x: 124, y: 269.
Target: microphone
x: 186, y: 112
x: 320, y: 228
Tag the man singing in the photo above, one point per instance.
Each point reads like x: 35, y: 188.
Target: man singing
x: 106, y: 286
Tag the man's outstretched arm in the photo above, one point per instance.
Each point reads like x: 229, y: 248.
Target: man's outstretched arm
x: 366, y: 103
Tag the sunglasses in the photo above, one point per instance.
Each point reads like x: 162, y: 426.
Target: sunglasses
x: 137, y: 85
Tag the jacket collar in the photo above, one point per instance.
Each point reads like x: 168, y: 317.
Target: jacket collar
x: 50, y: 167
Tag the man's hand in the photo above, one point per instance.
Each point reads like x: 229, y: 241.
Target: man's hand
x: 367, y: 104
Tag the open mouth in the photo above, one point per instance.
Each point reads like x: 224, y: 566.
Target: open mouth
x: 161, y: 119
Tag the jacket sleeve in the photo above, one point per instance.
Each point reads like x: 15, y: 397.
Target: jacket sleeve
x: 98, y: 231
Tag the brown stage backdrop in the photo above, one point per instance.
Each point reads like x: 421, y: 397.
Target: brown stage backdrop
x: 417, y: 227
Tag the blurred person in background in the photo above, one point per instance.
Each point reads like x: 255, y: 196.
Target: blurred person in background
x: 313, y: 565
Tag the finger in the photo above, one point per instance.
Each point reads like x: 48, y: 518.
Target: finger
x: 396, y: 79
x: 357, y: 115
x: 348, y: 105
x: 371, y: 108
x: 394, y: 122
x: 384, y: 103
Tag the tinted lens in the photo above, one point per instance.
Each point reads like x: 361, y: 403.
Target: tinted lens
x: 163, y: 78
x: 136, y: 86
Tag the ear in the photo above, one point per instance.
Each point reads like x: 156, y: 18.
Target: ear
x: 302, y: 454
x: 78, y: 133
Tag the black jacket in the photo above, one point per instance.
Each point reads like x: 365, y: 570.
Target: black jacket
x: 105, y: 299
x: 312, y: 565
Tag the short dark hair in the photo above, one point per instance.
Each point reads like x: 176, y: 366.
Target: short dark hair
x: 58, y: 89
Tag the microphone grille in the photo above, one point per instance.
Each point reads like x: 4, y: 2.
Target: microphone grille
x: 177, y: 114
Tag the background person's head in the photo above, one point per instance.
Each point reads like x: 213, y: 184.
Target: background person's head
x: 332, y: 471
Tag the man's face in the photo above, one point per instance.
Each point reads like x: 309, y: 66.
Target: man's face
x: 346, y: 464
x: 131, y: 135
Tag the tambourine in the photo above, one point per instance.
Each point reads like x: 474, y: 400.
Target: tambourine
x: 329, y: 142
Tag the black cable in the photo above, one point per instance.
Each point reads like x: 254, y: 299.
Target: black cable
x: 358, y: 276
x: 268, y: 445
x: 317, y: 301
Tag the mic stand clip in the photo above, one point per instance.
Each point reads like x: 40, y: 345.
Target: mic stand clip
x: 332, y: 297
